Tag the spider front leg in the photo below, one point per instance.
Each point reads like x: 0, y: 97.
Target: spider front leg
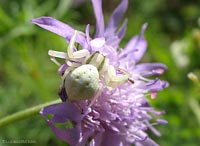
x: 113, y: 79
x: 56, y: 54
x: 70, y: 55
x: 70, y: 50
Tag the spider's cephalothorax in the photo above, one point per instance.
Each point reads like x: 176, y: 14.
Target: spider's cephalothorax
x: 81, y: 79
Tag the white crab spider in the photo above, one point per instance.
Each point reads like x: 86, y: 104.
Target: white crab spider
x: 81, y: 79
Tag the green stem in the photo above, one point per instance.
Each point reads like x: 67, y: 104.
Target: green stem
x: 24, y: 114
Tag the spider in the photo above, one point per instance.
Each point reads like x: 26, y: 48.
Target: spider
x: 81, y: 79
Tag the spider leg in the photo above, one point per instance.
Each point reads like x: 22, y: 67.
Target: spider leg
x: 71, y: 45
x: 99, y: 92
x: 56, y: 54
x: 70, y: 50
x: 62, y: 84
x: 70, y: 55
x: 112, y: 79
x: 81, y: 53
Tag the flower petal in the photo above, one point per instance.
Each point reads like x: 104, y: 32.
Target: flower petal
x: 97, y: 6
x: 108, y: 138
x: 113, y: 40
x: 147, y: 142
x: 116, y: 18
x: 63, y: 94
x: 70, y: 136
x: 97, y: 43
x: 62, y: 69
x: 157, y: 85
x: 62, y: 113
x: 135, y: 48
x: 87, y: 134
x: 149, y: 69
x: 54, y: 26
x: 87, y: 33
x: 58, y: 28
x: 122, y: 30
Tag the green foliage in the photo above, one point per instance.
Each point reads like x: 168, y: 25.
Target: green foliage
x: 27, y: 76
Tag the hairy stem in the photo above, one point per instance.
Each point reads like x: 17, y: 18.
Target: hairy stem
x: 24, y: 114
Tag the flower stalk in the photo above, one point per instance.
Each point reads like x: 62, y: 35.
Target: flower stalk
x: 26, y: 113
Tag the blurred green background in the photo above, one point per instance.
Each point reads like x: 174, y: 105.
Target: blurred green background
x: 28, y: 77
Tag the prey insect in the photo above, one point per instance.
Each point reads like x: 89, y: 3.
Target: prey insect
x: 86, y: 72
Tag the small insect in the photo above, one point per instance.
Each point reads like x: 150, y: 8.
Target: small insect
x: 81, y: 79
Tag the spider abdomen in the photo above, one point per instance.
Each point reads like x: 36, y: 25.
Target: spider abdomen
x: 82, y: 83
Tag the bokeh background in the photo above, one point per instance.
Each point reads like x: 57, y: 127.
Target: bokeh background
x: 29, y: 78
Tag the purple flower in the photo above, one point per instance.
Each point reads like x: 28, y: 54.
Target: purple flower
x: 121, y: 115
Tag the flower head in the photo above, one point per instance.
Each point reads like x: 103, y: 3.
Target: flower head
x: 118, y: 113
